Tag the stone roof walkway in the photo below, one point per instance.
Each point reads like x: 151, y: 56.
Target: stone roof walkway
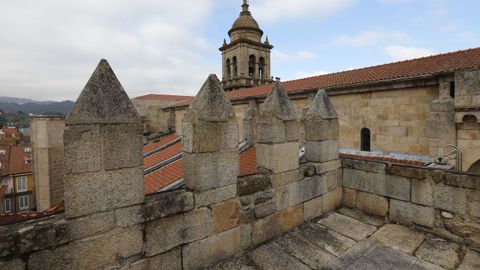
x: 351, y: 240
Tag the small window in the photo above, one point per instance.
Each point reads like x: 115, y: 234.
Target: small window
x: 365, y: 140
x: 452, y: 89
x: 22, y: 184
x: 28, y: 149
x: 261, y: 68
x: 23, y: 202
x: 251, y: 65
x: 7, y: 205
x: 28, y: 161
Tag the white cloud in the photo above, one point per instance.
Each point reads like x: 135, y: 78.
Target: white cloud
x: 398, y: 53
x: 273, y: 10
x: 301, y: 75
x: 49, y: 48
x: 370, y: 38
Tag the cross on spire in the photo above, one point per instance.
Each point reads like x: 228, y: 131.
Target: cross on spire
x: 245, y: 6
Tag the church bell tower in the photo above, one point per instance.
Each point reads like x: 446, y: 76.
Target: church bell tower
x: 246, y: 59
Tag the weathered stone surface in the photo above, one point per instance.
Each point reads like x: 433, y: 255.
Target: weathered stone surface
x: 246, y: 236
x: 265, y: 209
x: 240, y: 262
x: 321, y: 107
x: 312, y: 208
x: 96, y: 252
x: 167, y: 233
x: 349, y: 197
x: 211, y: 250
x: 348, y: 226
x: 225, y: 216
x: 284, y: 178
x: 474, y: 203
x: 129, y: 216
x: 321, y: 130
x: 399, y: 238
x: 169, y: 260
x: 323, y: 151
x: 385, y: 185
x: 263, y: 196
x: 266, y: 229
x: 369, y: 166
x: 328, y: 240
x: 271, y: 130
x: 422, y: 191
x: 211, y: 103
x: 372, y: 204
x: 123, y: 140
x: 409, y: 213
x: 270, y: 257
x: 15, y: 264
x: 252, y: 184
x: 361, y: 216
x: 301, y: 191
x: 214, y: 196
x: 292, y: 130
x: 332, y: 200
x: 202, y: 137
x: 83, y: 149
x: 334, y: 179
x: 321, y: 168
x: 450, y: 198
x: 407, y: 171
x: 168, y: 203
x: 89, y: 225
x: 471, y: 261
x: 92, y: 192
x: 210, y: 170
x: 304, y: 251
x: 278, y: 105
x: 439, y: 252
x: 279, y: 157
x: 103, y: 101
x: 291, y: 217
x: 463, y: 180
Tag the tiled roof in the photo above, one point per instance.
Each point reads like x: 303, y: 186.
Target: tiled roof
x: 162, y: 141
x: 162, y: 155
x: 17, y: 158
x: 248, y: 162
x: 164, y: 97
x: 425, y: 66
x: 163, y: 177
x: 18, y: 217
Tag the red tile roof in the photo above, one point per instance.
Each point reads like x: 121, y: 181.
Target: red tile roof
x: 425, y: 66
x: 248, y: 162
x: 162, y: 155
x: 17, y: 158
x: 164, y: 97
x: 163, y: 177
x: 163, y: 141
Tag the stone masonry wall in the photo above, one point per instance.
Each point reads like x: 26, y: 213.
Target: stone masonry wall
x: 443, y: 202
x: 109, y: 224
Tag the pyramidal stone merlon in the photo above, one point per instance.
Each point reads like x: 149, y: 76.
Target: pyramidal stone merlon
x: 211, y: 102
x: 322, y: 107
x: 103, y: 101
x: 278, y: 105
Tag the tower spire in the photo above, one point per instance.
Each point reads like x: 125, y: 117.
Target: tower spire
x: 245, y: 7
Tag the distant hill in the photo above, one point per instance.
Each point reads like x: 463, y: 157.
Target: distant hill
x: 21, y: 100
x: 38, y: 108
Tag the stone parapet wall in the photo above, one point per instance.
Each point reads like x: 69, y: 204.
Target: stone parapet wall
x: 446, y: 203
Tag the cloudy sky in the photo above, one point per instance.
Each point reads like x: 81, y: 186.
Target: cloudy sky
x: 49, y: 48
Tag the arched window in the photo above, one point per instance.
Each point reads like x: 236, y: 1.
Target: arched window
x: 470, y: 122
x: 261, y: 68
x: 251, y: 65
x: 234, y: 65
x: 229, y: 71
x: 365, y: 140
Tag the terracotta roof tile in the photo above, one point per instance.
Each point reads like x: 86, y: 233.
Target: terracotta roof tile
x: 248, y: 162
x: 425, y: 66
x: 163, y: 141
x: 162, y: 155
x: 163, y: 177
x: 17, y: 159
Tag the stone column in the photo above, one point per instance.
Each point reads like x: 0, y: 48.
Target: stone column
x: 103, y: 148
x: 322, y: 148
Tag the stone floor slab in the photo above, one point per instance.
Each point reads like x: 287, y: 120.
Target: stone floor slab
x: 308, y: 253
x: 348, y: 226
x: 240, y: 262
x: 439, y: 252
x: 361, y: 216
x: 326, y: 239
x: 471, y: 261
x: 272, y: 257
x: 399, y: 238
